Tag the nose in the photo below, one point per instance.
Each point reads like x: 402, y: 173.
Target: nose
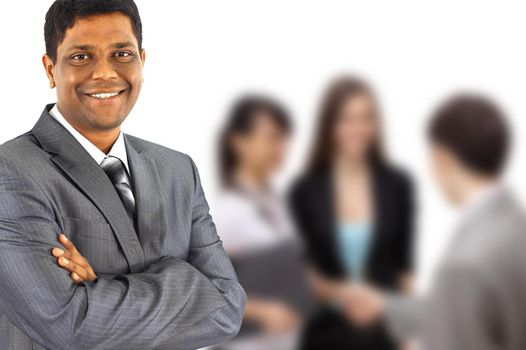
x: 104, y: 70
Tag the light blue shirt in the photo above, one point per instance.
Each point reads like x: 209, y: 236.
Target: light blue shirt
x: 354, y: 240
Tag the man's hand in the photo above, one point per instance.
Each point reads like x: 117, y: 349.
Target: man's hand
x: 364, y: 305
x: 71, y: 260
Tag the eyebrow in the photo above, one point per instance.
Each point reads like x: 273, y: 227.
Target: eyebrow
x: 81, y: 47
x: 122, y: 44
x: 118, y: 45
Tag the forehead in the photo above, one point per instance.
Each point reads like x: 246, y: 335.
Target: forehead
x: 99, y: 31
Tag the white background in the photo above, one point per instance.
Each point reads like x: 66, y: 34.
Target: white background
x: 202, y: 54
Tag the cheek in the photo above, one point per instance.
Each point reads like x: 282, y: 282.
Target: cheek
x: 67, y: 82
x: 133, y: 75
x: 277, y: 153
x: 437, y: 169
x: 356, y: 138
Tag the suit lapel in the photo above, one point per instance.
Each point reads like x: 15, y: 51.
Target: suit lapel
x: 82, y: 170
x: 147, y: 191
x: 328, y: 210
x: 378, y: 214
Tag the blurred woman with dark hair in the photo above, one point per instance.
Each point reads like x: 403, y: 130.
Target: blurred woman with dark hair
x: 355, y: 212
x: 255, y: 227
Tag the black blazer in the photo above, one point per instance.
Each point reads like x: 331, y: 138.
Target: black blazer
x: 312, y: 205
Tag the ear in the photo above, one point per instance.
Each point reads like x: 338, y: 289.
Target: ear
x: 143, y: 59
x: 49, y: 68
x: 143, y: 56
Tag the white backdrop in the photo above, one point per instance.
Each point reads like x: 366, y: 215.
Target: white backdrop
x: 201, y: 54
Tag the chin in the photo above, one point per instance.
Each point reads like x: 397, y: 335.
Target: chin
x: 107, y: 122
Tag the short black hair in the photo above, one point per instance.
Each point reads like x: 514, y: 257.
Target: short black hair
x: 241, y: 119
x: 62, y: 15
x: 475, y: 129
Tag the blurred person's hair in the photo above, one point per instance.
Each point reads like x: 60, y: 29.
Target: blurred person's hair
x: 62, y: 15
x: 240, y: 121
x: 475, y: 129
x: 340, y: 90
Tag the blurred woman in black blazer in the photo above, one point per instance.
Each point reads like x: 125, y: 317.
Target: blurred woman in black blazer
x: 355, y: 212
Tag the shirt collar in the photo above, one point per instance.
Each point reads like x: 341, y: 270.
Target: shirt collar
x: 118, y: 149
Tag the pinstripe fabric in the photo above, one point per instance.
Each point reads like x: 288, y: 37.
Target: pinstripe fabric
x: 169, y: 285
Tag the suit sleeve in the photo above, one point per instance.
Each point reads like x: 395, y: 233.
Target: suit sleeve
x: 174, y: 304
x: 208, y: 256
x: 460, y: 311
x: 403, y: 315
x: 456, y: 315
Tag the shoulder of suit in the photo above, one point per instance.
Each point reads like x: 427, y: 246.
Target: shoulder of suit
x: 22, y: 146
x: 305, y: 183
x: 495, y: 240
x: 157, y: 150
x: 397, y: 174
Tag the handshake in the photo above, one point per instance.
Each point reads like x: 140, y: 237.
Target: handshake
x: 362, y: 304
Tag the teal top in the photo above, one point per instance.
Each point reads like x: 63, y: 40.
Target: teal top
x: 354, y: 242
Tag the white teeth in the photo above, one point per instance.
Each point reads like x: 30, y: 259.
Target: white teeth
x: 105, y: 95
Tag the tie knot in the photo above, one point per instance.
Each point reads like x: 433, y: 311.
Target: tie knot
x: 116, y: 171
x: 114, y: 168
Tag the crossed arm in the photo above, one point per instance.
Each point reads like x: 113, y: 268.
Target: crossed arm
x: 172, y: 304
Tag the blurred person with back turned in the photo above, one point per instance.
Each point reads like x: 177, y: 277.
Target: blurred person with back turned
x: 477, y: 300
x: 355, y: 211
x: 256, y: 228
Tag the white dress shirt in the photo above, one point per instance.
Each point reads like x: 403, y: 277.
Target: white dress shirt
x: 118, y: 149
x: 243, y: 226
x: 248, y: 220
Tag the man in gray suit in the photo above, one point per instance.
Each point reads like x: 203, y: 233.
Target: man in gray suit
x: 478, y: 297
x: 139, y: 264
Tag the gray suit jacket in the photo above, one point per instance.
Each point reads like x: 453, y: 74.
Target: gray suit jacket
x: 478, y: 297
x: 169, y: 285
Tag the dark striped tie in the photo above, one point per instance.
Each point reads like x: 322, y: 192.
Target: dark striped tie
x: 116, y: 171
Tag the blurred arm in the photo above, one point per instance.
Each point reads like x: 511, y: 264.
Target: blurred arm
x: 454, y: 316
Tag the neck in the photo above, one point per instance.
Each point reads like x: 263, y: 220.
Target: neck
x: 471, y: 188
x: 351, y: 166
x: 250, y: 177
x: 103, y: 139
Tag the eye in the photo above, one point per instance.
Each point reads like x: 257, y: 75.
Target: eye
x: 123, y: 54
x: 79, y: 57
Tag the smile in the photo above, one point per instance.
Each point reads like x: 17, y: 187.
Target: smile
x: 104, y: 96
x: 101, y: 96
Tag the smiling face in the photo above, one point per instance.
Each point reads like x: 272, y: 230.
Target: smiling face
x: 97, y: 73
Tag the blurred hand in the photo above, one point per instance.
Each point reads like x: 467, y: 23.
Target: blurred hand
x: 276, y: 317
x: 69, y: 258
x: 363, y: 304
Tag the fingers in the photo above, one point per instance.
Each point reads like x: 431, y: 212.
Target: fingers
x: 75, y: 257
x: 71, y: 260
x: 67, y: 243
x: 74, y: 268
x: 57, y: 253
